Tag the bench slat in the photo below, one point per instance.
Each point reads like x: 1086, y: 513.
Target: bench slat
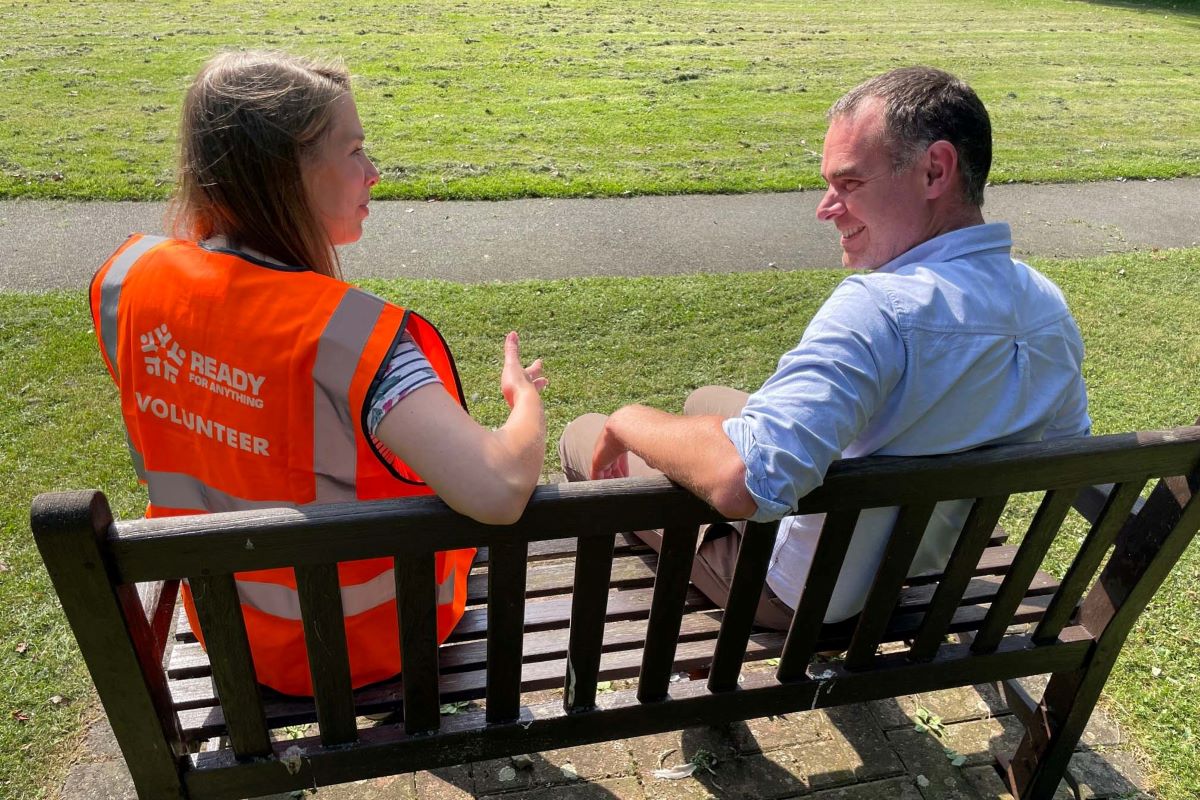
x: 634, y: 567
x: 952, y: 588
x: 188, y: 660
x: 553, y: 576
x: 807, y: 622
x: 546, y: 622
x: 505, y: 633
x: 701, y: 621
x: 197, y: 693
x: 557, y: 579
x: 1101, y: 536
x: 555, y: 612
x: 170, y: 547
x: 416, y: 603
x: 589, y: 603
x: 666, y: 610
x: 1042, y: 530
x: 206, y: 722
x: 219, y: 612
x: 158, y: 602
x: 547, y: 549
x: 328, y: 660
x: 881, y: 600
x: 745, y: 590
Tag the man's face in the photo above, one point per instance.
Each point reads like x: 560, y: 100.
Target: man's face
x: 879, y: 213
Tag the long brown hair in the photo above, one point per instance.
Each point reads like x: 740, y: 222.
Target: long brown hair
x: 249, y: 121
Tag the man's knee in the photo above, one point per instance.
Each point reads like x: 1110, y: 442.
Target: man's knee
x: 576, y: 444
x: 719, y: 400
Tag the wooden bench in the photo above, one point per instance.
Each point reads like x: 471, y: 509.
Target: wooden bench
x: 564, y: 599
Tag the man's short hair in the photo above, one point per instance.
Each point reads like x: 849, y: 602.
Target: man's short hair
x: 921, y: 106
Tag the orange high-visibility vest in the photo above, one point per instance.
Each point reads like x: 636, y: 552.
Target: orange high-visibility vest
x: 244, y: 385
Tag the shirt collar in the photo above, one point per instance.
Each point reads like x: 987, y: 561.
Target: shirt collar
x: 995, y: 237
x: 220, y: 244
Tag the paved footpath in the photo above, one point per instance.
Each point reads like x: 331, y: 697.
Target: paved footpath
x: 858, y: 752
x: 54, y: 245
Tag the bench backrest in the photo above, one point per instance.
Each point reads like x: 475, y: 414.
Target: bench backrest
x: 97, y: 564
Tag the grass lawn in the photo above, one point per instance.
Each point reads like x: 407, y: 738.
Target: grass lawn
x: 505, y: 98
x: 606, y: 341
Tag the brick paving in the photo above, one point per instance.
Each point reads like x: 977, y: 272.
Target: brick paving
x: 857, y: 752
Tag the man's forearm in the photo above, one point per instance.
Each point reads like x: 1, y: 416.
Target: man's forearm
x: 693, y: 451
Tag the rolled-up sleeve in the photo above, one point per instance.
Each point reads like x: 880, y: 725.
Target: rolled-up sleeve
x: 823, y: 394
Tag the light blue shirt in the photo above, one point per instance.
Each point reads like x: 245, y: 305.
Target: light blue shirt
x: 950, y: 346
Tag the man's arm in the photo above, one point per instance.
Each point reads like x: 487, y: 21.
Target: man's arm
x: 760, y: 463
x: 693, y: 451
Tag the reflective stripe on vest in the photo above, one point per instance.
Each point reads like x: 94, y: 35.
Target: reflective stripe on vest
x: 283, y: 601
x: 334, y: 449
x: 110, y: 300
x: 186, y: 493
x: 110, y: 294
x: 139, y: 463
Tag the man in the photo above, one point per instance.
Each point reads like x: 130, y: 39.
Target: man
x: 944, y: 344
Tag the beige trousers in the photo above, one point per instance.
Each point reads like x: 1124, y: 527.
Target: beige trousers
x: 712, y: 571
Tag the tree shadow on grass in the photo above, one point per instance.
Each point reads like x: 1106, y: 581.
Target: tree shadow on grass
x: 1182, y: 8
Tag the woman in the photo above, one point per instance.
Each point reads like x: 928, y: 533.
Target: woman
x: 252, y: 376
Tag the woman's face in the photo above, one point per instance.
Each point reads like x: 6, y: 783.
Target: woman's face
x: 338, y: 176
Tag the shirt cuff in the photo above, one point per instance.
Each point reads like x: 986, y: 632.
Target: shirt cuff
x: 768, y: 509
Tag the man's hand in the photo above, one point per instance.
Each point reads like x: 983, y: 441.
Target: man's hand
x: 513, y: 377
x: 693, y: 451
x: 610, y: 459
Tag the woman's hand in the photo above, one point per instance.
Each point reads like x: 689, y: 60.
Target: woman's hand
x: 513, y: 377
x: 486, y: 474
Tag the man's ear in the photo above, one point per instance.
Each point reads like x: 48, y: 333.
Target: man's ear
x: 941, y: 169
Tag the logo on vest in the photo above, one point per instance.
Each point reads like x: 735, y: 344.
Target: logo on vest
x: 164, y: 357
x: 161, y: 354
x: 201, y: 426
x: 226, y: 380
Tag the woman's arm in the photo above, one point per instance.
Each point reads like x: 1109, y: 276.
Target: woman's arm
x: 486, y: 474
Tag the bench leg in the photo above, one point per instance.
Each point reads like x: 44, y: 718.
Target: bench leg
x: 114, y: 637
x: 1052, y: 729
x: 1145, y: 551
